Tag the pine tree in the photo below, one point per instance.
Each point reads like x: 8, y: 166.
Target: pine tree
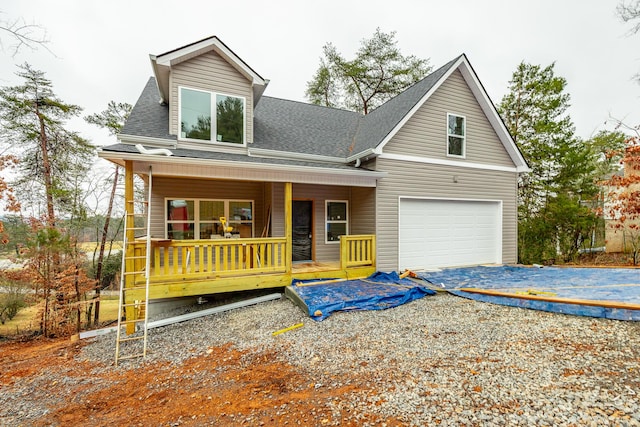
x: 377, y: 73
x: 51, y: 157
x: 52, y: 162
x: 553, y: 218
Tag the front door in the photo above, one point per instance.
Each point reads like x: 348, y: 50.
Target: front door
x: 302, y: 230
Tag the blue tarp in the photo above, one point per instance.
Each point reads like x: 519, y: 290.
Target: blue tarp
x: 377, y: 292
x: 600, y: 284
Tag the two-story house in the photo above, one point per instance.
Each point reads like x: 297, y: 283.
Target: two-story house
x: 248, y: 191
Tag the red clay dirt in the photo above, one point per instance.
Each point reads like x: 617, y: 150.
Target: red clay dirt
x: 223, y: 387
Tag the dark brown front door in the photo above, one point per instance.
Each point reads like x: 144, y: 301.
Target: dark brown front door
x: 302, y: 230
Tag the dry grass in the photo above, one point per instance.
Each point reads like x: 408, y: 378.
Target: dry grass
x: 94, y: 246
x: 27, y: 319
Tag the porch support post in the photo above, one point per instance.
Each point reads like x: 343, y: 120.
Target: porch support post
x: 288, y: 228
x: 128, y: 250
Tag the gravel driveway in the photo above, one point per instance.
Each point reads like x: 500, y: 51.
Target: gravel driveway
x: 441, y: 359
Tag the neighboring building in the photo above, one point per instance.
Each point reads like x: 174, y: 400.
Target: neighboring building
x: 623, y: 236
x: 429, y: 179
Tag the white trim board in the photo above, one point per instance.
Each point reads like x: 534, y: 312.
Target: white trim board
x: 447, y: 162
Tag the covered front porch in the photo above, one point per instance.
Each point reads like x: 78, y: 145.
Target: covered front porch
x: 180, y: 268
x: 287, y: 230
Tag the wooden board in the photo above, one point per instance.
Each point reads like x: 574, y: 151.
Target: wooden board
x: 588, y: 302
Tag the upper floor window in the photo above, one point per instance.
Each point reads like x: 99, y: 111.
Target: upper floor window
x: 198, y: 109
x: 456, y: 135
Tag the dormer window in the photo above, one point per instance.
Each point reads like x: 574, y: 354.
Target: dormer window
x: 456, y: 135
x: 199, y: 107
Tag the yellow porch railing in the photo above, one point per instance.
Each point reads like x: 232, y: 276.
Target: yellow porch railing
x: 193, y: 259
x: 184, y: 260
x: 357, y: 251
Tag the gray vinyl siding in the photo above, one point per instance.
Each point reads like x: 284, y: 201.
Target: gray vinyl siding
x: 435, y: 181
x: 268, y: 207
x: 164, y: 187
x: 425, y: 133
x: 363, y: 210
x: 361, y: 216
x: 209, y: 72
x: 277, y: 210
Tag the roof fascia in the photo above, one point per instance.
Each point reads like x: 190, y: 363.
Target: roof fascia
x: 366, y: 154
x: 213, y: 43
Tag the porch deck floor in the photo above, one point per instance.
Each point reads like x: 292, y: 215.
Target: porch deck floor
x: 313, y: 266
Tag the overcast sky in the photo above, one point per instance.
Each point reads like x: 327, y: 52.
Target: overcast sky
x: 102, y: 47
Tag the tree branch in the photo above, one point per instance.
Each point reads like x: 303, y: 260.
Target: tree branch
x: 30, y: 36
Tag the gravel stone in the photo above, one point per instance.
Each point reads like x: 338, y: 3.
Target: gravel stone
x: 439, y: 360
x: 442, y: 358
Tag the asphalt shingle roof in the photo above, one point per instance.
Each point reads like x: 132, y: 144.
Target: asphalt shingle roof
x: 291, y: 126
x: 149, y: 117
x: 303, y: 128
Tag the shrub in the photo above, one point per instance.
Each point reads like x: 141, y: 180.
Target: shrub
x: 12, y: 299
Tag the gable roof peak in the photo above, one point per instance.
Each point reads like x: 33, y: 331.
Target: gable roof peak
x: 162, y: 63
x: 386, y: 120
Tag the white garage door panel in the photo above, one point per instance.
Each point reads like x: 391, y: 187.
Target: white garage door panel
x: 447, y: 233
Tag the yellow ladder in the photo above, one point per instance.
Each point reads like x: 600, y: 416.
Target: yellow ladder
x: 134, y: 277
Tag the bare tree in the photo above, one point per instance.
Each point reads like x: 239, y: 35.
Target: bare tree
x: 112, y: 119
x: 19, y: 34
x: 629, y: 11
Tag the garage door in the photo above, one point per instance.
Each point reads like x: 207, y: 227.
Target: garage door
x: 448, y: 233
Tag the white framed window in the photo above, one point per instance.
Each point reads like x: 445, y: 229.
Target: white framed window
x: 212, y: 117
x: 336, y: 220
x: 456, y: 135
x: 188, y: 219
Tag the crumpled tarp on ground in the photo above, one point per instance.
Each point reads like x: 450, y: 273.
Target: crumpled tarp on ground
x: 377, y: 292
x: 600, y: 284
